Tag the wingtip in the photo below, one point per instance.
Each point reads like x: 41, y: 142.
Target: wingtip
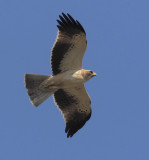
x: 67, y: 131
x: 69, y: 135
x: 63, y: 14
x: 68, y: 14
x: 60, y: 16
x: 68, y: 21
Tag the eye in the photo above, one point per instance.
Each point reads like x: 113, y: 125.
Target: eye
x: 91, y: 72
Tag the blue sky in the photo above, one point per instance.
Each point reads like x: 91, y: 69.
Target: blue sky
x: 118, y: 51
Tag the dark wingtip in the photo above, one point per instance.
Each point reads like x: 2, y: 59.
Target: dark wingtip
x: 77, y: 123
x: 69, y: 24
x: 63, y: 14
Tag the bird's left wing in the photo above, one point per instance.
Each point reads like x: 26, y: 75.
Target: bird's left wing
x: 70, y: 45
x: 75, y: 105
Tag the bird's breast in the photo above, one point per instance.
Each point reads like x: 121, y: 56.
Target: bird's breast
x: 70, y: 79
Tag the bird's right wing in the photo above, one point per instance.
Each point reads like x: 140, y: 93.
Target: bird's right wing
x: 75, y: 105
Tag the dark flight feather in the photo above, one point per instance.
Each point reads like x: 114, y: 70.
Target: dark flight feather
x: 70, y: 27
x: 74, y: 119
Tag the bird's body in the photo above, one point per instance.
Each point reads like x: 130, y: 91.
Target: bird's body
x: 67, y: 81
x: 69, y: 78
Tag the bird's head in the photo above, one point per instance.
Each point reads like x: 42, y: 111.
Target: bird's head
x: 88, y: 74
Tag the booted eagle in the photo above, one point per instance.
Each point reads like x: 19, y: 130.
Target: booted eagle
x: 68, y: 77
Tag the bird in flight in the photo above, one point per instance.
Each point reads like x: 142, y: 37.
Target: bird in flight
x: 67, y: 80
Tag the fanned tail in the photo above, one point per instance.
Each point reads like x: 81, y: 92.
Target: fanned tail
x: 36, y: 91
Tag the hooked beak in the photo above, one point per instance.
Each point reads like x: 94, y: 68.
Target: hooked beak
x: 94, y: 74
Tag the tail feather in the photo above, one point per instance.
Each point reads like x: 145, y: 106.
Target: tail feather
x: 34, y: 80
x: 36, y: 92
x: 38, y: 96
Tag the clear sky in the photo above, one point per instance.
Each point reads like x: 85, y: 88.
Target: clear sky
x: 118, y: 51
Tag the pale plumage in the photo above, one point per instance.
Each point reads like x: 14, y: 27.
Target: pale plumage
x: 67, y: 81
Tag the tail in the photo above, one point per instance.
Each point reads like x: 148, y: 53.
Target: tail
x: 36, y: 92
